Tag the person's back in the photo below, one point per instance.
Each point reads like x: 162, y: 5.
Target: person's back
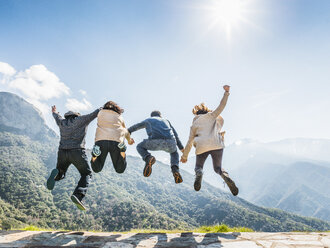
x: 207, y: 132
x: 205, y: 135
x: 110, y: 138
x: 72, y: 133
x: 71, y: 150
x: 159, y: 128
x: 110, y: 126
x: 161, y: 137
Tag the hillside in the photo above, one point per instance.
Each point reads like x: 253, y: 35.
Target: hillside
x: 279, y: 174
x: 119, y: 202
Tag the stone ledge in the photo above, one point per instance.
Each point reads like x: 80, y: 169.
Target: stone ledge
x: 38, y: 239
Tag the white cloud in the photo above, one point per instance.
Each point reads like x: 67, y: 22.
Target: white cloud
x: 38, y: 83
x: 83, y: 92
x: 76, y: 105
x: 39, y: 86
x: 7, y: 69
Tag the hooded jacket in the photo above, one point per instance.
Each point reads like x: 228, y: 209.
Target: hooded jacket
x: 73, y: 130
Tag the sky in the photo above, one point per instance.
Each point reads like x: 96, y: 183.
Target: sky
x: 170, y: 55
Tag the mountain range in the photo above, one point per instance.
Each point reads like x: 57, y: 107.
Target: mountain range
x: 116, y: 202
x: 292, y: 175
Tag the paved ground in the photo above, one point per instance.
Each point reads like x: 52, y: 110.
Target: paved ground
x: 33, y: 239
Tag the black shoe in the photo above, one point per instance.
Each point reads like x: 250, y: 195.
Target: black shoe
x: 176, y: 174
x: 230, y: 183
x: 51, y: 179
x: 78, y: 202
x: 198, y: 181
x: 148, y: 167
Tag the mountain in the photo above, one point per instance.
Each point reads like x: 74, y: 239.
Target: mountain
x: 20, y: 117
x: 116, y: 202
x: 279, y: 174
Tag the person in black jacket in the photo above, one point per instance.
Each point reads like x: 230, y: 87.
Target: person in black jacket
x: 73, y: 129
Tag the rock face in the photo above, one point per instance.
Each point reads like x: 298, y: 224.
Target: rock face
x: 139, y: 240
x: 20, y: 117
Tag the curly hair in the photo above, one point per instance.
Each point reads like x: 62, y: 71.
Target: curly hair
x: 113, y: 106
x: 201, y: 109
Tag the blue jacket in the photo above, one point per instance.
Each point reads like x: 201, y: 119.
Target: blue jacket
x: 158, y: 128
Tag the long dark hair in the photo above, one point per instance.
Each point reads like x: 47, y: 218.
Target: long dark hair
x: 113, y: 106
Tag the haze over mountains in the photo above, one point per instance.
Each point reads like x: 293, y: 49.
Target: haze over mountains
x: 116, y: 202
x: 291, y: 174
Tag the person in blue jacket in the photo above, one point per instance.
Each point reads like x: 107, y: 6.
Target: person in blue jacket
x: 161, y: 137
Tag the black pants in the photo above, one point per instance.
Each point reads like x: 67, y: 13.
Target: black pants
x: 216, y: 159
x: 109, y: 146
x: 79, y: 159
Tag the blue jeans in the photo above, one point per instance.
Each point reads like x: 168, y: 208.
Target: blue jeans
x: 166, y: 145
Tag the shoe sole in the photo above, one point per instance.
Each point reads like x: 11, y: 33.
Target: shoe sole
x: 231, y: 185
x: 51, y: 179
x: 177, y: 177
x: 198, y: 185
x: 148, y: 168
x: 76, y: 201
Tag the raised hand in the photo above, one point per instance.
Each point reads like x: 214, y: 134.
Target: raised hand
x: 54, y: 109
x: 226, y: 88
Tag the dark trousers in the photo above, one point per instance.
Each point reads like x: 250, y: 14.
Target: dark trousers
x: 109, y: 146
x: 216, y: 159
x: 78, y: 158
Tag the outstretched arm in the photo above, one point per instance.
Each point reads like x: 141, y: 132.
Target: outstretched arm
x: 137, y: 126
x: 178, y: 141
x: 86, y: 119
x: 223, y: 102
x: 58, y: 118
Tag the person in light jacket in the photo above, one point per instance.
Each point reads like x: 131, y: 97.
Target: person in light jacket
x: 109, y: 138
x: 206, y: 136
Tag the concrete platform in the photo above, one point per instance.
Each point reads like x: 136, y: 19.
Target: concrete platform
x: 37, y: 239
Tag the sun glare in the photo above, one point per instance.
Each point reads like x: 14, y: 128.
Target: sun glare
x: 227, y: 14
x: 228, y: 11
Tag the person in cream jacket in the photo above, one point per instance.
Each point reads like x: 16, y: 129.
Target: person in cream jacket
x: 206, y: 136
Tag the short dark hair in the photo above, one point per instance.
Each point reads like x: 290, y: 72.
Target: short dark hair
x: 155, y: 113
x: 113, y: 106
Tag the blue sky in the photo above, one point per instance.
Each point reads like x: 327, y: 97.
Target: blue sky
x: 163, y: 54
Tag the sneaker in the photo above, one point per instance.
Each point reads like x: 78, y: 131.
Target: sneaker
x: 51, y: 179
x: 230, y: 183
x: 198, y: 181
x: 122, y: 147
x: 148, y: 167
x: 78, y: 202
x: 96, y: 151
x: 176, y: 174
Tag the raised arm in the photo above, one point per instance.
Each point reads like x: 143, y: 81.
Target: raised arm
x: 189, y: 144
x: 58, y: 118
x: 223, y: 102
x: 178, y: 141
x: 137, y: 126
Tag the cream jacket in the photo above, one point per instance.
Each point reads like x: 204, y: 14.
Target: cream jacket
x: 205, y: 131
x: 111, y: 126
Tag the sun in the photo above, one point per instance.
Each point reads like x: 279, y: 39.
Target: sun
x: 227, y: 14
